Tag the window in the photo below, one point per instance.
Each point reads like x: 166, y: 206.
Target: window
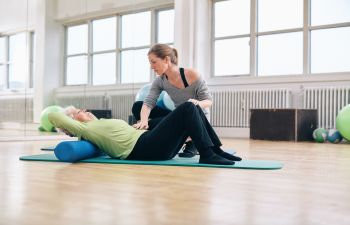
x: 330, y: 50
x: 329, y: 12
x: 77, y: 49
x: 104, y: 37
x: 280, y: 38
x: 231, y: 42
x: 136, y: 40
x: 16, y: 57
x: 165, y: 33
x: 114, y: 49
x: 280, y: 54
x: 288, y: 12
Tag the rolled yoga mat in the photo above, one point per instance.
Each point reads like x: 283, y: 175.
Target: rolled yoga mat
x: 73, y: 151
x: 177, y: 161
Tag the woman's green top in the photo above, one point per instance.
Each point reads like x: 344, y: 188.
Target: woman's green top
x: 115, y: 137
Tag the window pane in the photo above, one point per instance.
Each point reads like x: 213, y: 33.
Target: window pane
x: 329, y: 11
x: 76, y: 70
x: 104, y: 34
x: 330, y: 50
x: 77, y: 39
x: 232, y: 18
x: 2, y: 49
x: 232, y: 57
x: 277, y: 14
x: 166, y: 26
x: 280, y: 54
x: 2, y: 77
x: 136, y: 29
x: 135, y: 66
x: 18, y: 61
x: 104, y: 69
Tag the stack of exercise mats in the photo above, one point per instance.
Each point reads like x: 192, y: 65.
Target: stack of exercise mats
x: 85, y: 152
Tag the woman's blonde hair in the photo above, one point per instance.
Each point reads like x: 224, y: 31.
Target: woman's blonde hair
x: 163, y: 50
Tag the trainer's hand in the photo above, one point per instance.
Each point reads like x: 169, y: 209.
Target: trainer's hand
x: 141, y: 125
x: 194, y: 101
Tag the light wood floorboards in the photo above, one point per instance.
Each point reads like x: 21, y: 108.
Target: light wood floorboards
x: 312, y: 188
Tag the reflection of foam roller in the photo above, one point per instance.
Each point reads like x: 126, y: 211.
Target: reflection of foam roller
x: 72, y: 151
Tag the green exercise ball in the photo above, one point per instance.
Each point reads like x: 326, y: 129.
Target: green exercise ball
x: 343, y: 122
x: 45, y: 124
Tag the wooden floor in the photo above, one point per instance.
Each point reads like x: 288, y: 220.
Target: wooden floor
x: 312, y: 188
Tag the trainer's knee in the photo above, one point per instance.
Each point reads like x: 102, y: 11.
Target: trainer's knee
x: 186, y: 105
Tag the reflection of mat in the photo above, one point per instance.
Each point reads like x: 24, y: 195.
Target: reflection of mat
x: 244, y: 164
x: 50, y: 148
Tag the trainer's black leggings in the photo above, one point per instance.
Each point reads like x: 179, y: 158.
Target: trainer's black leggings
x: 156, y: 115
x: 166, y: 139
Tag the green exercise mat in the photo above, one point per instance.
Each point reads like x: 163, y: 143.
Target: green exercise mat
x: 177, y: 161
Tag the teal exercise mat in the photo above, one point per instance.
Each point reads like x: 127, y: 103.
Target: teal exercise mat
x: 50, y: 148
x: 177, y: 161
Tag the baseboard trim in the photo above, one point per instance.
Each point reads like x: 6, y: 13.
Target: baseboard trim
x: 232, y: 132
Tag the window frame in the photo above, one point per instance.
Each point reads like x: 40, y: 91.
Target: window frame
x: 30, y: 52
x: 254, y: 34
x: 118, y: 50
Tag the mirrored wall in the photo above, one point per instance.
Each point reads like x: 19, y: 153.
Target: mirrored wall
x: 90, y: 54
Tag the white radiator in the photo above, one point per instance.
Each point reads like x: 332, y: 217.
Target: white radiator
x: 84, y: 102
x: 232, y: 108
x: 121, y: 106
x: 328, y: 101
x: 16, y: 110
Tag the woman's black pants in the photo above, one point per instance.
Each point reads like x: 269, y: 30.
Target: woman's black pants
x: 166, y: 139
x: 156, y: 115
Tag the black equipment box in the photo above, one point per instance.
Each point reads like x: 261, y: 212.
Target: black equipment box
x: 283, y: 124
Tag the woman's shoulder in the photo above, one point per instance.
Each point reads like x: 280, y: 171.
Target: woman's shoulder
x: 192, y: 75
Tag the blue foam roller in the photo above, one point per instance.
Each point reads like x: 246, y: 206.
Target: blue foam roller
x: 72, y: 151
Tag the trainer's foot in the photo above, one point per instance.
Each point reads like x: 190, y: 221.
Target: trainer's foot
x: 215, y: 159
x: 226, y: 155
x: 189, y: 150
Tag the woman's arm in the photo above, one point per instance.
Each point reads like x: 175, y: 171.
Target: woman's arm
x: 144, y: 114
x: 62, y: 121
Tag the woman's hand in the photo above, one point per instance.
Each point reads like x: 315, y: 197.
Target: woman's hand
x: 141, y: 125
x: 194, y: 101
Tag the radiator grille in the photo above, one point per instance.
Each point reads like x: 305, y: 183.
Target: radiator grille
x: 328, y: 101
x: 232, y: 108
x: 121, y: 106
x: 16, y: 110
x: 84, y: 102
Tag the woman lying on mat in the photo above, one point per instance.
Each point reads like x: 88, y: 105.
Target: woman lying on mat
x: 119, y: 140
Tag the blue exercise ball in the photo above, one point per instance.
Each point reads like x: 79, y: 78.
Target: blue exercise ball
x: 143, y: 92
x: 334, y: 136
x: 168, y: 102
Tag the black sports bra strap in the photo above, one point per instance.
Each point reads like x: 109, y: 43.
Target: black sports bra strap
x: 182, y: 72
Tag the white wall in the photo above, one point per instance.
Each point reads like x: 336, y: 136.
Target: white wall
x: 68, y: 10
x: 13, y: 15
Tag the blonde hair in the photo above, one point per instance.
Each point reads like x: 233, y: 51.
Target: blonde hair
x: 163, y: 50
